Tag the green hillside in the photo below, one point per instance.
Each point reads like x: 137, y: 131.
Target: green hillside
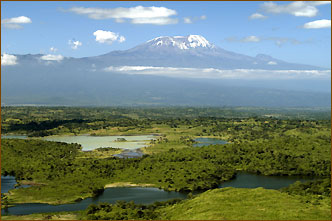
x: 247, y: 204
x: 218, y: 204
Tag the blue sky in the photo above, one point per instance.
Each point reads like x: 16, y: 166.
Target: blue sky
x: 295, y: 32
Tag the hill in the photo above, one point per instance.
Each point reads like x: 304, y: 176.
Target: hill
x: 246, y: 204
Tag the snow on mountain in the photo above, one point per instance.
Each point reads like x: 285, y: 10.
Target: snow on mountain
x: 192, y: 51
x: 135, y: 77
x: 181, y: 42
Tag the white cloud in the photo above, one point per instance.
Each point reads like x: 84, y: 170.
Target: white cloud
x: 122, y: 39
x: 155, y: 21
x: 8, y: 59
x: 323, y: 23
x: 214, y: 73
x: 272, y: 63
x: 251, y: 39
x: 53, y: 49
x: 190, y: 20
x: 108, y: 37
x: 187, y: 20
x: 15, y: 23
x: 136, y: 15
x: 296, y: 8
x: 316, y: 3
x: 74, y: 44
x: 17, y: 20
x: 52, y: 57
x: 257, y: 16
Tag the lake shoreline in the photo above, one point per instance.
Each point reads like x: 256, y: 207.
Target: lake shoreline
x: 18, y: 200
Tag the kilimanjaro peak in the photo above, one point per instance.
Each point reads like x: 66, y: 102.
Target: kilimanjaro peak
x: 181, y: 42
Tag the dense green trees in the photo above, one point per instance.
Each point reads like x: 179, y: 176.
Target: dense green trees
x: 259, y: 144
x: 186, y: 169
x: 122, y: 210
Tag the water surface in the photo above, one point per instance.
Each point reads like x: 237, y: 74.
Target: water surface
x: 150, y: 195
x: 7, y: 183
x: 93, y: 142
x: 110, y: 195
x: 14, y: 136
x: 129, y: 154
x: 247, y: 180
x: 208, y: 141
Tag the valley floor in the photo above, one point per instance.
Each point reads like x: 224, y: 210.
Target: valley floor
x: 268, y: 143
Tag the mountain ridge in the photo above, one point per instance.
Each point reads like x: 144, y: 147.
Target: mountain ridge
x: 42, y: 79
x: 192, y: 51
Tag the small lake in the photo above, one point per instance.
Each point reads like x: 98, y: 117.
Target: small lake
x: 247, y: 180
x: 92, y: 142
x: 130, y: 145
x: 129, y: 154
x: 208, y: 141
x: 140, y: 195
x: 144, y: 195
x: 14, y: 136
x: 7, y: 183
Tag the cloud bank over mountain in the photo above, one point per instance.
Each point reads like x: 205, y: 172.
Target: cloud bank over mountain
x: 214, y: 73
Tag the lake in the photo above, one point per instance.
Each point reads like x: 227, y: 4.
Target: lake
x: 92, y: 142
x: 14, y: 136
x: 248, y: 180
x: 208, y: 141
x: 140, y: 195
x: 149, y: 195
x: 88, y: 143
x: 7, y: 183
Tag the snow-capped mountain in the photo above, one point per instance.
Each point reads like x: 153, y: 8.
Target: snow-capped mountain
x: 54, y: 79
x: 181, y: 42
x: 192, y: 51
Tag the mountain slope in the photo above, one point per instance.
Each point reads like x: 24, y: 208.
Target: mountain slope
x: 246, y: 204
x: 46, y: 80
x: 191, y: 51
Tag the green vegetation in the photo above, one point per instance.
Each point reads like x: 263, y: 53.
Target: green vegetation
x: 262, y: 141
x: 46, y: 216
x: 220, y: 204
x: 246, y: 204
x: 227, y: 203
